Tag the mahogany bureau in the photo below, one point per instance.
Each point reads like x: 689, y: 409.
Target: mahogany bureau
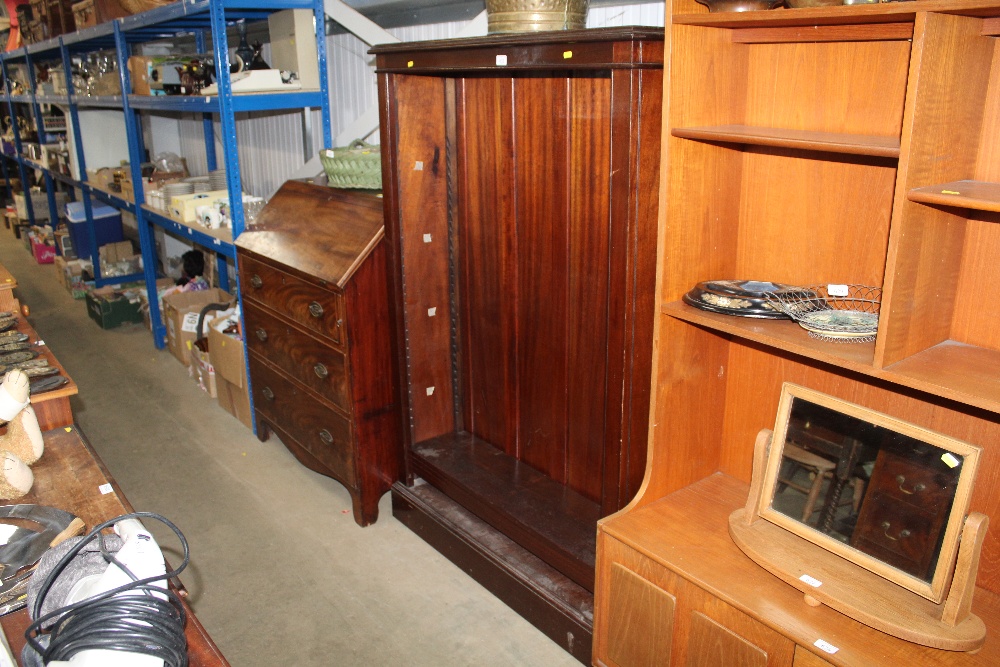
x: 316, y: 316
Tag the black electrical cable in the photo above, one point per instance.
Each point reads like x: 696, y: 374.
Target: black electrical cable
x: 148, y: 620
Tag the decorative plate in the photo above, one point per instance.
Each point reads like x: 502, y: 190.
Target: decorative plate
x: 15, y: 357
x: 42, y: 385
x: 742, y: 298
x: 839, y: 313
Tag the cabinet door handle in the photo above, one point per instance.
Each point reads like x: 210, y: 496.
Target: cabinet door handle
x: 903, y: 534
x: 261, y: 335
x: 917, y: 488
x: 325, y: 436
x: 256, y: 281
x: 268, y: 394
x: 316, y: 309
x: 321, y: 371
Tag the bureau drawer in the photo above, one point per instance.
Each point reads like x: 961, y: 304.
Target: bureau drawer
x: 913, y: 483
x: 318, y: 429
x: 899, y: 533
x: 309, y: 360
x: 315, y: 308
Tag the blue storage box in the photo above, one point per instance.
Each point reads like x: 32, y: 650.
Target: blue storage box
x: 107, y: 226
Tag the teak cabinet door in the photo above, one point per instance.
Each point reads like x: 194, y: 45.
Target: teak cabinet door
x: 651, y: 617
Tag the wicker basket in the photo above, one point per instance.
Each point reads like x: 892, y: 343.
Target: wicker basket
x: 357, y: 166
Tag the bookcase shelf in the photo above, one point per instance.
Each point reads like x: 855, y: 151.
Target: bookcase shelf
x: 801, y: 139
x: 977, y: 195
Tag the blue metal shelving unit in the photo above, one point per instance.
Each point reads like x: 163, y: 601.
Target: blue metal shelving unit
x: 204, y: 19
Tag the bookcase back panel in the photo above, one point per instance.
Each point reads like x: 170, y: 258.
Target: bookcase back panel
x: 484, y: 238
x: 988, y: 164
x: 844, y: 87
x: 811, y: 221
x: 975, y: 317
x: 535, y: 269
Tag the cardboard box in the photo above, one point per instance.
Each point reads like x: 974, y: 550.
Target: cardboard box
x: 183, y: 207
x: 69, y: 273
x: 39, y: 205
x: 111, y: 308
x: 43, y: 250
x: 234, y: 400
x: 228, y: 359
x: 201, y: 368
x: 92, y: 12
x: 116, y: 252
x: 227, y: 352
x: 180, y: 314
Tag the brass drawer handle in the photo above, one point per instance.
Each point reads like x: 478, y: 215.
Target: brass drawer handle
x: 268, y: 394
x: 316, y: 309
x: 917, y: 488
x: 261, y: 335
x: 321, y: 371
x: 256, y: 281
x: 325, y: 436
x: 903, y: 534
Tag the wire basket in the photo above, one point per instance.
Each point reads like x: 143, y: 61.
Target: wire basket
x: 359, y: 166
x: 836, y: 313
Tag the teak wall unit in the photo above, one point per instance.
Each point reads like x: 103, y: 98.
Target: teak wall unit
x: 520, y: 187
x: 842, y: 144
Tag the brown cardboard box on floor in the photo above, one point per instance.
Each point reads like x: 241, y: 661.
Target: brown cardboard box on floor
x: 180, y: 314
x: 227, y: 357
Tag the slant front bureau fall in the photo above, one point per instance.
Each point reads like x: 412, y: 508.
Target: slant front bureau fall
x: 315, y: 308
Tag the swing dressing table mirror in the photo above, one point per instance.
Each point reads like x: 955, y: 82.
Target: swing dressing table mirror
x: 867, y: 514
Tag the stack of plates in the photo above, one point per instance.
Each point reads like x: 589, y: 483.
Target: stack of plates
x: 171, y: 190
x: 200, y: 183
x: 217, y: 179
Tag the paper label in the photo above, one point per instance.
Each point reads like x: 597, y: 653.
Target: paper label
x: 825, y: 646
x: 190, y: 323
x: 837, y: 290
x: 812, y: 581
x: 950, y: 459
x: 6, y: 530
x: 501, y: 60
x: 105, y: 489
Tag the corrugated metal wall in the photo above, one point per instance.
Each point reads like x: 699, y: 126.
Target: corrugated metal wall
x: 271, y: 144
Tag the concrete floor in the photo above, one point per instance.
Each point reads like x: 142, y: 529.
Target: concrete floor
x: 280, y: 573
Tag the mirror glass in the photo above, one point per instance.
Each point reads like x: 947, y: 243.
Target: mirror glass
x: 867, y: 484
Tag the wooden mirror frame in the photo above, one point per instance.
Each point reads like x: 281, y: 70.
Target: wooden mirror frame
x: 791, y: 551
x: 935, y: 588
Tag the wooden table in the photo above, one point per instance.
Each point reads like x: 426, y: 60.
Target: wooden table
x: 70, y: 476
x: 52, y: 407
x: 7, y: 285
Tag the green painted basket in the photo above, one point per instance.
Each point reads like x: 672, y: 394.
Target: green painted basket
x: 357, y: 166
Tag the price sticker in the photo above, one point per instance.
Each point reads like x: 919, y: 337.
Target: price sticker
x: 950, y: 460
x: 837, y: 290
x: 812, y: 581
x: 825, y: 646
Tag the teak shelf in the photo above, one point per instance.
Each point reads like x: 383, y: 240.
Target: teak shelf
x: 809, y: 146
